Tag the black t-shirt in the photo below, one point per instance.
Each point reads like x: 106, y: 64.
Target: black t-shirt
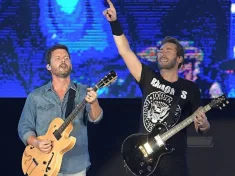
x: 157, y: 95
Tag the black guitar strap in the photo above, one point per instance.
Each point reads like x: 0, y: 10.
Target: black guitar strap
x: 70, y: 104
x: 174, y: 103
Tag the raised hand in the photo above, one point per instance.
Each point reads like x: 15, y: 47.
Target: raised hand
x: 110, y: 13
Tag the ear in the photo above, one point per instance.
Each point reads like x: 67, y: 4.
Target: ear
x: 180, y: 59
x: 48, y: 67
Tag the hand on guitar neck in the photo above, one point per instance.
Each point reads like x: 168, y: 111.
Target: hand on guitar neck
x: 200, y: 121
x: 43, y: 145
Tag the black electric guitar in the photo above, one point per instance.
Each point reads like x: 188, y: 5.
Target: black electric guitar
x: 142, y: 152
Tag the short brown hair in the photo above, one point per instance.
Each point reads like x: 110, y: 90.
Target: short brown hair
x: 179, y: 47
x: 53, y: 48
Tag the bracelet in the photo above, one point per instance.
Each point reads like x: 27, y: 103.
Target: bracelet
x: 116, y: 28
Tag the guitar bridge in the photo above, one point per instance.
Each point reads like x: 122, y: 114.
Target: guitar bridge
x: 143, y: 151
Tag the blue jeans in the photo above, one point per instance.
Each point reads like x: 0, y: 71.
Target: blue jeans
x: 83, y: 173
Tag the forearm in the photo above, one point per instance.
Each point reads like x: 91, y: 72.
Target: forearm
x: 122, y: 44
x: 32, y: 140
x: 95, y: 111
x: 129, y: 57
x: 120, y: 38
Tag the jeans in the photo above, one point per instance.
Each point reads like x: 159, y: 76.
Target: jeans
x: 83, y: 173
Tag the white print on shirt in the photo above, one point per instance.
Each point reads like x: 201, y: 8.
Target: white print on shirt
x: 167, y: 89
x: 184, y: 94
x: 156, y: 109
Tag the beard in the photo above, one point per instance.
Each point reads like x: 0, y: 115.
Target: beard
x: 63, y: 71
x: 169, y: 65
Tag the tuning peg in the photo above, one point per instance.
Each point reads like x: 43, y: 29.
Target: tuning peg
x: 227, y: 102
x: 220, y: 108
x: 223, y: 105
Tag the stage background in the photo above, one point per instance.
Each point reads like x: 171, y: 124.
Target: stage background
x: 205, y: 28
x: 28, y: 28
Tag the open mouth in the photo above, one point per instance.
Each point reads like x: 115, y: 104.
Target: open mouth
x: 63, y: 66
x: 163, y: 59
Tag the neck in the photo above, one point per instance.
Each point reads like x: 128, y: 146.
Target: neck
x: 169, y: 75
x: 60, y: 83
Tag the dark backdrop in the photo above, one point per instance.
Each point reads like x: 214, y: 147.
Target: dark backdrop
x: 209, y: 155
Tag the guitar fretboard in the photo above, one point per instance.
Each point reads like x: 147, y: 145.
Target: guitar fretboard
x: 165, y: 136
x: 74, y: 113
x: 107, y: 80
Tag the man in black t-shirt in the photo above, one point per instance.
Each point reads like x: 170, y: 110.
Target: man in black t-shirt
x: 159, y: 90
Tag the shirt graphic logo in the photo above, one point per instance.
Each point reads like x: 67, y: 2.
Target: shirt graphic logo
x: 156, y: 109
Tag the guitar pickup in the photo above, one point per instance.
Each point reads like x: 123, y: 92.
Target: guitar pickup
x: 143, y: 151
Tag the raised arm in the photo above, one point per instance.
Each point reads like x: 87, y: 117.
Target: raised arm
x: 131, y: 60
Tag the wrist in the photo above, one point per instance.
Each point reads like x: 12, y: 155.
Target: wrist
x: 116, y: 28
x: 35, y: 143
x: 204, y: 129
x: 94, y: 102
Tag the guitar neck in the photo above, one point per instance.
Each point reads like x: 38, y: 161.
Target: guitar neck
x: 74, y: 113
x: 165, y: 136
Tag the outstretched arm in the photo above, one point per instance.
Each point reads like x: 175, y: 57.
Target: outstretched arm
x: 131, y: 60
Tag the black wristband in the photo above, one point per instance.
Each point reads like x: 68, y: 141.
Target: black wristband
x: 116, y: 28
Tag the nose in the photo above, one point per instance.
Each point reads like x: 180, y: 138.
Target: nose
x: 63, y: 60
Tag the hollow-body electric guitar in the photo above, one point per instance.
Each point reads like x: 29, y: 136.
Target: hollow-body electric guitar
x: 142, y: 152
x: 37, y: 163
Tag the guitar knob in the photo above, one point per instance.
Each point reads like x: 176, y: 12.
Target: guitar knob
x: 142, y: 163
x: 141, y: 171
x: 149, y: 168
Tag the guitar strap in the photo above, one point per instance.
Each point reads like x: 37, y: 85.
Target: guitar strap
x: 70, y: 104
x: 174, y: 103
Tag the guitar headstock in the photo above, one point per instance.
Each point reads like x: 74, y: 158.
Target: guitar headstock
x: 220, y: 102
x: 106, y: 80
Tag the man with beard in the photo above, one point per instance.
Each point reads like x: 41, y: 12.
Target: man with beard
x: 50, y: 101
x: 161, y: 89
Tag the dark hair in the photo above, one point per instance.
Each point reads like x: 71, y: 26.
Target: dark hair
x: 179, y: 47
x: 53, y: 48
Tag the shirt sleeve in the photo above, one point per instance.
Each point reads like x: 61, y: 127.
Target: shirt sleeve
x: 88, y: 109
x: 26, y: 125
x: 146, y: 76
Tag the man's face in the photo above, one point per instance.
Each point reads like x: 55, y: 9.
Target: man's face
x: 60, y: 63
x: 167, y: 56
